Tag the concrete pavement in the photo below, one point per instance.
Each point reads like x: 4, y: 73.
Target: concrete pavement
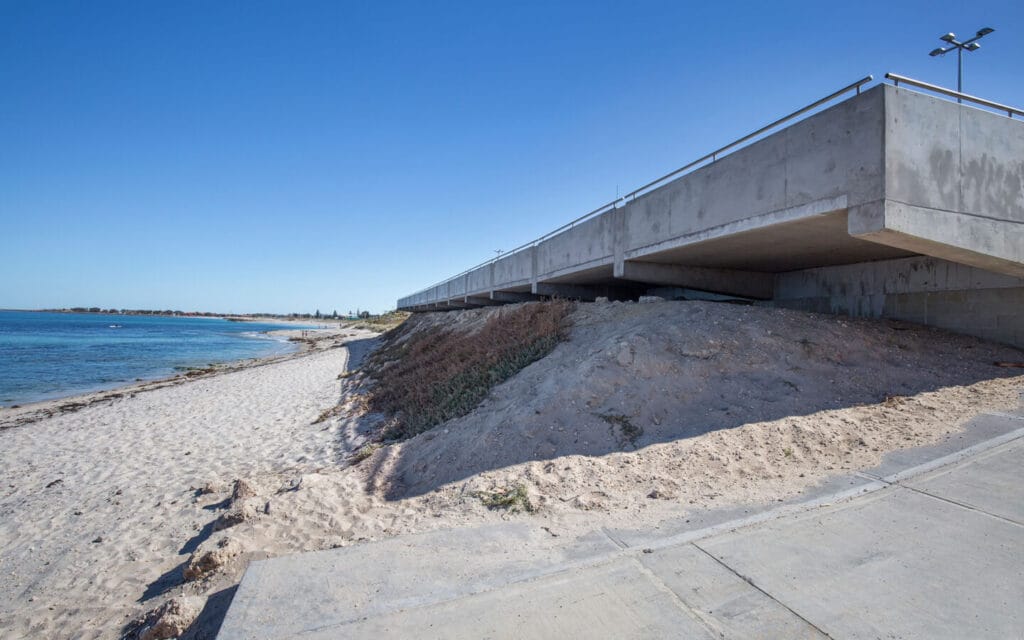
x: 928, y: 545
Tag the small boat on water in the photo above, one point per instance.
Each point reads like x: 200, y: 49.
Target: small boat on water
x: 116, y: 326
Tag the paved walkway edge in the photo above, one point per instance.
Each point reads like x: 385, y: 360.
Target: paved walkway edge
x: 875, y: 484
x: 602, y: 555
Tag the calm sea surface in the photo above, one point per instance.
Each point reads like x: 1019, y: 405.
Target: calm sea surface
x: 50, y: 355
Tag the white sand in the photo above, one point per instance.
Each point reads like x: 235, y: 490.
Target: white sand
x: 129, y: 467
x: 76, y: 556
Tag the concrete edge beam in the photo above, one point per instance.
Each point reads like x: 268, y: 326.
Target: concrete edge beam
x: 513, y: 296
x: 984, y: 243
x: 480, y: 301
x: 748, y: 284
x: 786, y: 215
x: 577, y: 292
x: 455, y: 304
x: 572, y: 270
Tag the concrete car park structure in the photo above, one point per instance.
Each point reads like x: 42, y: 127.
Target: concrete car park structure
x: 891, y: 203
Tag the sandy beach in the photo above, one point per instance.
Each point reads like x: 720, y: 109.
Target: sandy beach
x: 99, y: 502
x: 163, y: 492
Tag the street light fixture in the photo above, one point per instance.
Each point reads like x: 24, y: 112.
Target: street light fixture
x: 968, y: 45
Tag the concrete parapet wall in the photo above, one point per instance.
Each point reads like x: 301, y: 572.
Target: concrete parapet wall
x: 457, y: 287
x: 827, y: 158
x: 479, y: 280
x: 957, y: 158
x: 834, y: 154
x: 515, y: 269
x: 954, y: 184
x: 584, y: 246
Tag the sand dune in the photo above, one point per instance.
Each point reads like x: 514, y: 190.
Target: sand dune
x: 112, y: 510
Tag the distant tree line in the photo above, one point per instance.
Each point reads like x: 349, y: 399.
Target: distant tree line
x: 209, y: 314
x: 135, y: 312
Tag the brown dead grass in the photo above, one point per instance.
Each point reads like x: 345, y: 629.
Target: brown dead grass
x: 381, y: 323
x: 428, y: 376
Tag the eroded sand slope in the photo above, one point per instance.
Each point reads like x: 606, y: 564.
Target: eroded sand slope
x: 647, y: 412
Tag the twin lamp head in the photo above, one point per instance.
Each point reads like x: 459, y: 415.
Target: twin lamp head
x: 970, y: 45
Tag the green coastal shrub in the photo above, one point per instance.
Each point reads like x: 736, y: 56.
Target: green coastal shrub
x: 513, y: 499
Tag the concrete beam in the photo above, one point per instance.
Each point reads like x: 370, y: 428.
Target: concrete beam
x: 588, y: 292
x: 981, y: 242
x: 480, y: 301
x: 748, y: 284
x: 578, y: 292
x: 513, y: 296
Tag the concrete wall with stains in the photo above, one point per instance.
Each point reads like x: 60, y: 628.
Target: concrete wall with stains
x: 953, y: 158
x: 921, y: 289
x: 954, y: 184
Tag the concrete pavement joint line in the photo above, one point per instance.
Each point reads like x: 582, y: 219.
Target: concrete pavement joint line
x: 625, y: 550
x: 875, y: 484
x: 695, y: 613
x: 618, y: 543
x: 766, y: 594
x: 953, y: 458
x: 870, y: 476
x: 961, y: 504
x: 772, y: 514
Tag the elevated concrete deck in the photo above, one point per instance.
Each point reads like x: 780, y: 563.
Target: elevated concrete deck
x: 887, y: 175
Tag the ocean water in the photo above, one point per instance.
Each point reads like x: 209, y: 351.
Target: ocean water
x: 52, y: 355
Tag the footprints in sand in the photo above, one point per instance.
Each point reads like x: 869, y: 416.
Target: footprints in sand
x: 125, y: 472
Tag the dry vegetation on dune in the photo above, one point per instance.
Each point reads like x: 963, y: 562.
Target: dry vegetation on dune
x: 381, y: 323
x: 424, y: 376
x: 674, y: 375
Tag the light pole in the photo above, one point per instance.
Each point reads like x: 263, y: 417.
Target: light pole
x: 969, y: 45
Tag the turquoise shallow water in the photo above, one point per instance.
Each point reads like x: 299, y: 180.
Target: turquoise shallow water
x: 51, y: 355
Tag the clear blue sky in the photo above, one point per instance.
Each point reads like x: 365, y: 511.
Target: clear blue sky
x: 289, y: 156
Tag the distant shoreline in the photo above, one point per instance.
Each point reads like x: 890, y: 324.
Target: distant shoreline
x: 231, y: 317
x: 282, y: 337
x: 108, y: 492
x: 306, y: 341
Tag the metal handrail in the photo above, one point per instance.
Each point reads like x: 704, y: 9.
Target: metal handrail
x: 897, y: 79
x: 632, y: 195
